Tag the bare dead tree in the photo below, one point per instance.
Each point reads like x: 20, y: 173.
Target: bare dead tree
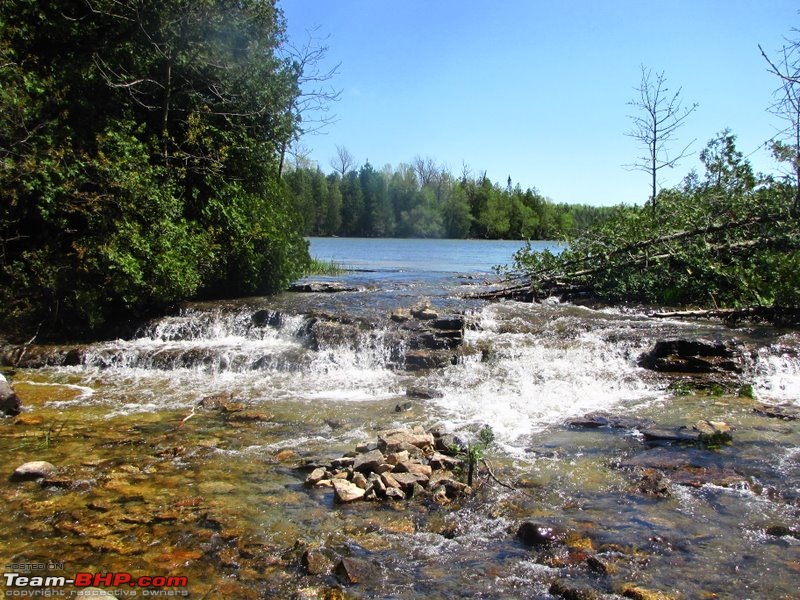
x: 312, y: 107
x: 343, y: 161
x: 785, y: 144
x: 660, y: 115
x: 426, y: 170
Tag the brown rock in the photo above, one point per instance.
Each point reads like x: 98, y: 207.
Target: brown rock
x: 316, y: 476
x: 354, y: 570
x: 316, y: 563
x: 345, y: 491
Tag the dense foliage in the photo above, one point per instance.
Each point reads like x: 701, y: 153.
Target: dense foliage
x: 422, y: 200
x: 140, y: 145
x: 726, y: 239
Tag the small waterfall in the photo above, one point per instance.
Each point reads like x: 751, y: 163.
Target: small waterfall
x: 776, y: 372
x: 542, y: 365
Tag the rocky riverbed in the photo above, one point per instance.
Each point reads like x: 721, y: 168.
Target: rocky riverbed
x: 254, y: 448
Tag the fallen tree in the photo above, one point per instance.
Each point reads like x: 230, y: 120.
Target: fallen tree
x: 729, y: 253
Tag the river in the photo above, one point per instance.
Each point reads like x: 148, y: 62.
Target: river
x: 181, y: 451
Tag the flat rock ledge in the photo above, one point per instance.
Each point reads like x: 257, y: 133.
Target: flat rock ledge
x: 400, y: 464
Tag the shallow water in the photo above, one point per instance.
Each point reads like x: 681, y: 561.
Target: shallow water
x: 153, y: 484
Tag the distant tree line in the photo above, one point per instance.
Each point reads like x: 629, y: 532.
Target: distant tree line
x: 424, y: 200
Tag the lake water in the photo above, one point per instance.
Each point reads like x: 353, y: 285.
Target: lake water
x: 411, y: 257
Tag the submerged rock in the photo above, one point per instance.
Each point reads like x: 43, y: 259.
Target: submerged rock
x: 354, y: 570
x: 596, y: 420
x: 539, y: 535
x: 571, y: 591
x: 787, y: 412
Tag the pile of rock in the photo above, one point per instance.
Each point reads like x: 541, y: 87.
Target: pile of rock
x: 399, y: 464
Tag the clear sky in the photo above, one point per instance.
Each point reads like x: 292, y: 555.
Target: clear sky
x: 538, y: 90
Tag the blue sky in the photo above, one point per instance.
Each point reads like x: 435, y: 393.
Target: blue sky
x: 538, y: 90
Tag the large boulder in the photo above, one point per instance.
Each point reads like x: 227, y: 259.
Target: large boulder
x: 693, y: 356
x: 9, y: 401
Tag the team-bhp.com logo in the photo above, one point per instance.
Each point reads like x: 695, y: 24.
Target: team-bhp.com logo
x: 46, y: 586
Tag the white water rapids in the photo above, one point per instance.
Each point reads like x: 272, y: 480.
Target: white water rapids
x: 528, y: 367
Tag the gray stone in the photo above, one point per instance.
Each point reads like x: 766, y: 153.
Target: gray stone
x: 423, y: 393
x: 368, y: 461
x: 9, y: 401
x: 37, y: 469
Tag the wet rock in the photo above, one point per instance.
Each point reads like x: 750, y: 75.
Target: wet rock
x: 639, y: 593
x: 368, y: 461
x: 600, y: 566
x: 538, y: 535
x: 401, y: 315
x: 31, y: 471
x: 653, y: 483
x: 10, y: 404
x: 264, y: 318
x: 423, y: 393
x: 782, y: 531
x: 787, y: 412
x: 285, y: 454
x: 321, y: 287
x: 572, y: 591
x: 693, y: 356
x: 346, y: 491
x: 424, y: 312
x: 353, y: 571
x: 677, y: 435
x: 597, y: 420
x: 713, y: 433
x: 404, y: 407
x: 315, y: 562
x: 418, y: 360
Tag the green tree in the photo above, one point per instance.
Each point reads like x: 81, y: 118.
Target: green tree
x: 140, y: 145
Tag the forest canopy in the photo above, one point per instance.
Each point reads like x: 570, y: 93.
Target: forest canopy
x: 140, y: 152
